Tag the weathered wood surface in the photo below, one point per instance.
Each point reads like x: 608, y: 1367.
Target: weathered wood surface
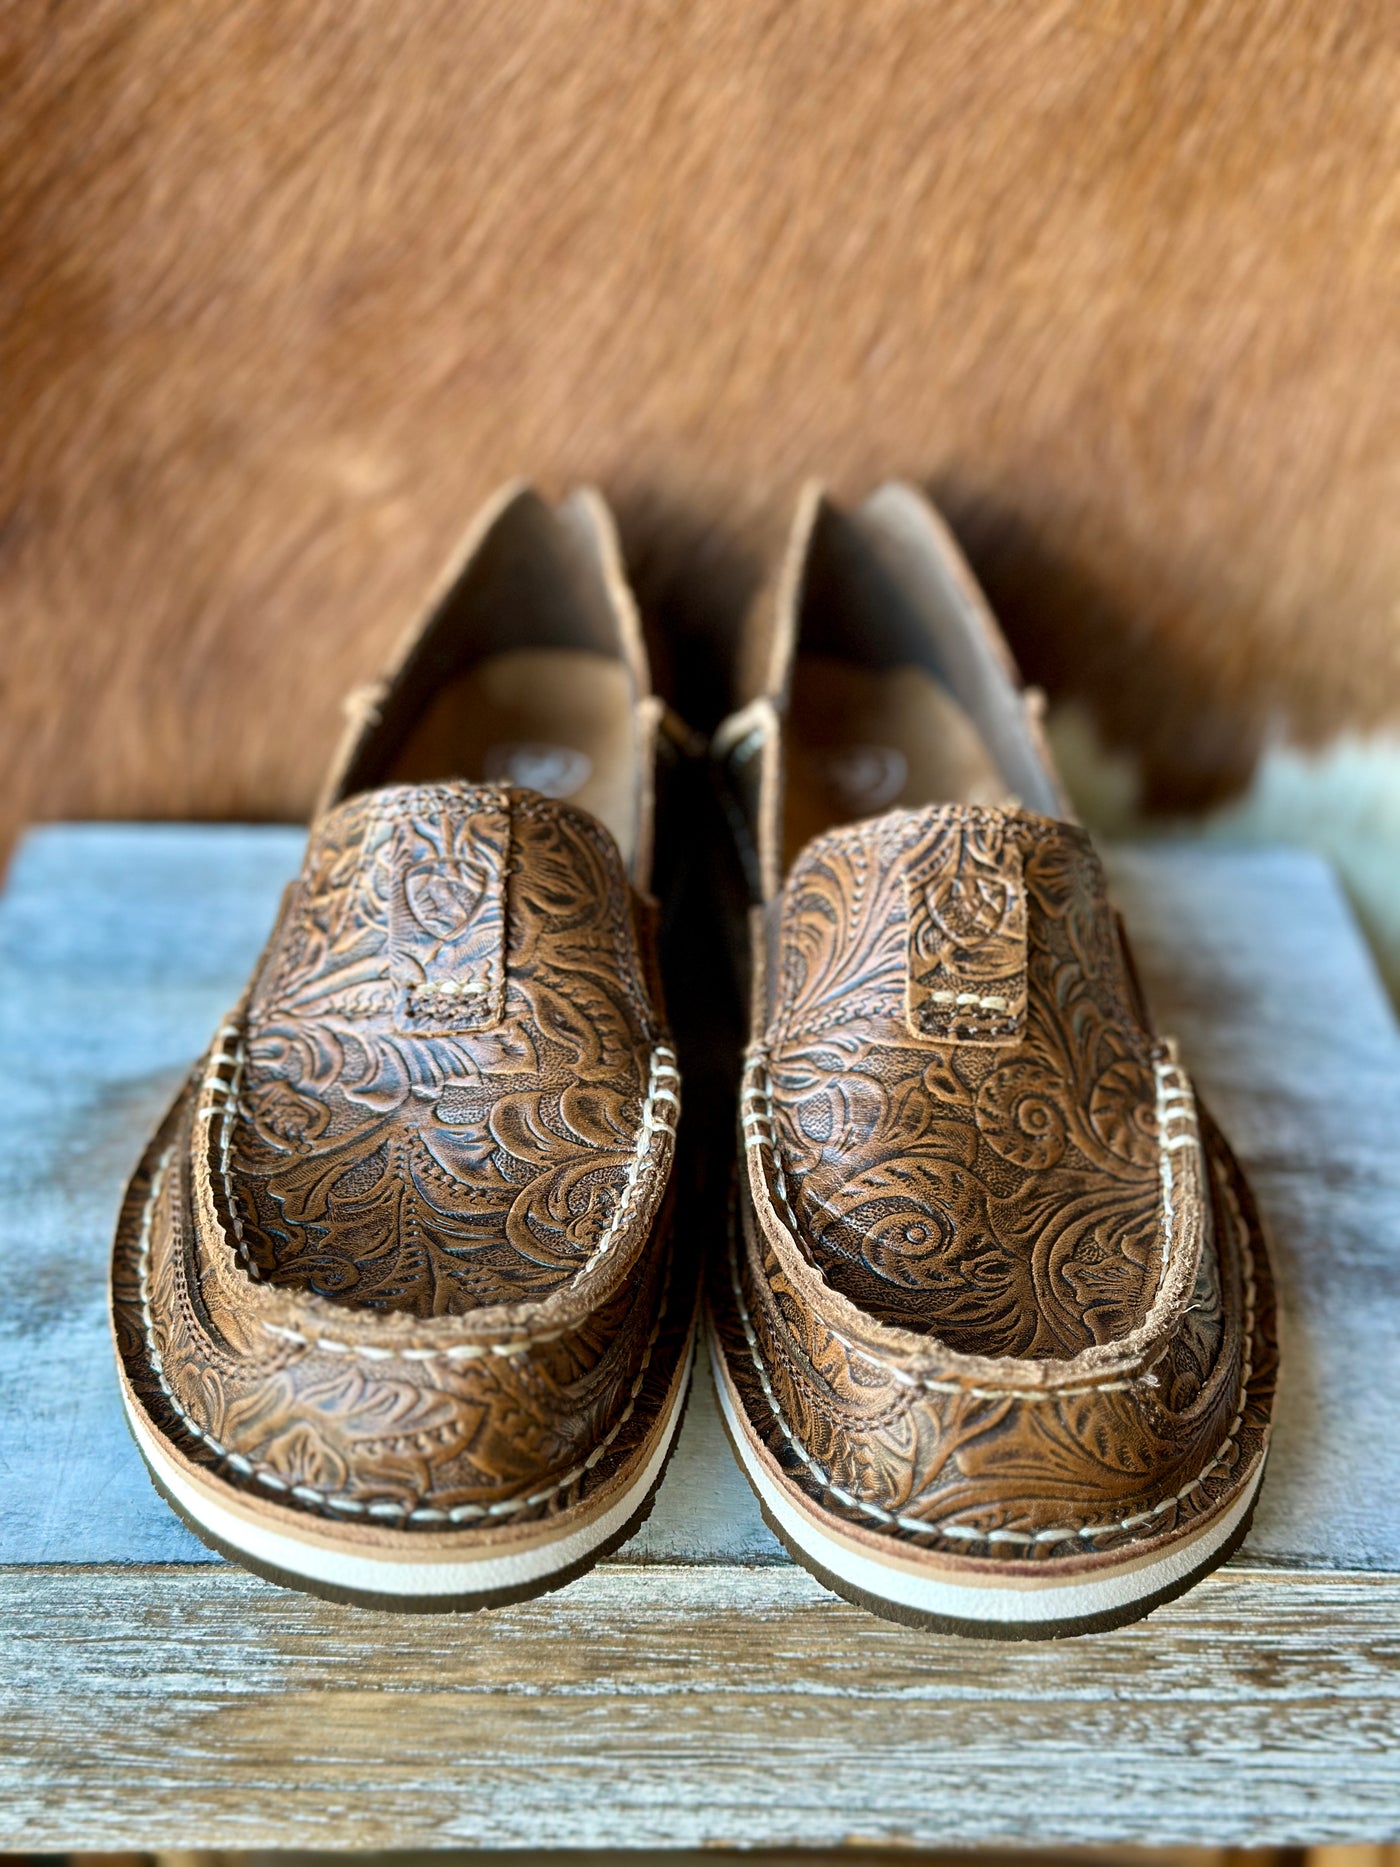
x: 673, y: 1706
x: 1254, y: 961
x: 698, y: 1689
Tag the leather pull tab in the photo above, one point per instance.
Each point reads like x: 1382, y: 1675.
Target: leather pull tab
x: 447, y: 927
x: 965, y: 907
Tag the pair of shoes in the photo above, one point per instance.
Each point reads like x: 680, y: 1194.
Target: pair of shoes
x: 398, y: 1313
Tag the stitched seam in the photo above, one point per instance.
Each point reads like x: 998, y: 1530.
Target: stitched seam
x: 230, y: 1087
x: 451, y: 988
x: 968, y: 1532
x: 663, y: 1087
x: 264, y: 1473
x: 969, y: 998
x: 1175, y: 1103
x: 887, y: 1007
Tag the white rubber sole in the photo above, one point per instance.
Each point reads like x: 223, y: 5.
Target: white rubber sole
x: 1002, y: 1608
x: 397, y: 1576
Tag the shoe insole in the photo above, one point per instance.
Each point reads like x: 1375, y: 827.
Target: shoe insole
x: 558, y: 720
x: 864, y: 740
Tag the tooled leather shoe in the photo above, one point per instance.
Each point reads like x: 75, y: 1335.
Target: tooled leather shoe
x: 394, y: 1305
x: 995, y: 1339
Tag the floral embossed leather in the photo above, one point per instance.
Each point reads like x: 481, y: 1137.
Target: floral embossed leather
x: 440, y: 1107
x: 392, y: 1289
x: 996, y: 1336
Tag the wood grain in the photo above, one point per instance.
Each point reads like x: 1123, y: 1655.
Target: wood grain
x: 723, y: 1706
x: 1253, y: 962
x: 699, y: 1690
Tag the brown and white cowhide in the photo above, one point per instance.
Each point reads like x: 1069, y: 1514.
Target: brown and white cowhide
x: 286, y: 290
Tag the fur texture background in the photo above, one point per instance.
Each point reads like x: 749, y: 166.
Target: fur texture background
x: 287, y: 290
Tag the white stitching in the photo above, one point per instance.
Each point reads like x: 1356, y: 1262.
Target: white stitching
x: 1164, y: 1166
x: 264, y: 1475
x: 1058, y: 1534
x: 969, y: 998
x: 664, y: 1070
x: 231, y: 1089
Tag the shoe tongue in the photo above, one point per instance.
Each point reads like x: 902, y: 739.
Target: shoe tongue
x: 401, y: 905
x: 925, y: 924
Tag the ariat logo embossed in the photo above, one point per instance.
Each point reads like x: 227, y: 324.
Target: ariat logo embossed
x: 442, y: 899
x: 967, y: 910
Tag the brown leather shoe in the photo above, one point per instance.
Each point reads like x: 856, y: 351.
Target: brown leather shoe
x: 392, y: 1287
x: 996, y: 1338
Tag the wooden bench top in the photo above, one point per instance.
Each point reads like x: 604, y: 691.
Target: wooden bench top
x: 698, y: 1688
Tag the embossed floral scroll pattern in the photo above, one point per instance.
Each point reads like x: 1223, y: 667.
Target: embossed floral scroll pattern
x: 425, y: 1440
x: 425, y: 1174
x: 391, y: 1149
x: 1004, y: 1196
x: 1011, y: 1200
x: 898, y: 1446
